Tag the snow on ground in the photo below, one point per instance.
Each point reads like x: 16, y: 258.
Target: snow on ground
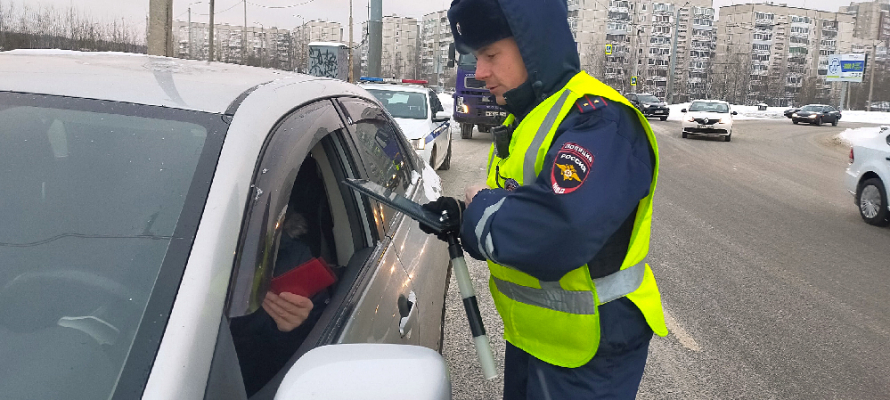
x: 853, y: 136
x: 751, y: 112
x: 447, y: 102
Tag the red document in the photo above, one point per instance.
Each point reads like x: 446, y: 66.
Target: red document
x: 305, y: 280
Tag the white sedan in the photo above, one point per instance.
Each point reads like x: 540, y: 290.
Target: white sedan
x: 868, y: 175
x: 708, y: 117
x: 420, y: 115
x: 172, y: 229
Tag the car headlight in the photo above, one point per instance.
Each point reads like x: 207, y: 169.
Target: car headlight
x: 646, y: 105
x: 724, y: 120
x: 419, y: 144
x: 690, y: 119
x: 812, y: 116
x: 795, y: 115
x: 463, y: 109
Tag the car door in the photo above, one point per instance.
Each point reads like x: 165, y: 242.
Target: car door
x: 387, y: 161
x: 425, y: 258
x: 356, y: 308
x: 832, y: 113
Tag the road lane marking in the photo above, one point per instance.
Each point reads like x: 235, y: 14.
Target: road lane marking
x: 685, y: 339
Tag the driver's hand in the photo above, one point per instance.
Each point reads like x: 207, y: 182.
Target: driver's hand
x: 288, y: 310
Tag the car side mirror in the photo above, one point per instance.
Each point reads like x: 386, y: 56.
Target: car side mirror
x: 367, y: 371
x: 735, y: 113
x: 451, y: 55
x: 441, y: 118
x: 683, y: 110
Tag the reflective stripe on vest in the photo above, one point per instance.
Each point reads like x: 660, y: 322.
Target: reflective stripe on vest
x: 531, y: 157
x: 553, y: 297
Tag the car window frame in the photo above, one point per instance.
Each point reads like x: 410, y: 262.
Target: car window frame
x: 411, y: 158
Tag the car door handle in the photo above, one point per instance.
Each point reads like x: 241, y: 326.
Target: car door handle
x: 408, y: 310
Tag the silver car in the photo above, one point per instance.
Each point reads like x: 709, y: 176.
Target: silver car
x: 142, y: 223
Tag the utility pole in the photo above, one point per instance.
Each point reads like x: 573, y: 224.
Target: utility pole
x: 160, y: 28
x: 351, y: 72
x: 190, y: 33
x: 669, y: 95
x: 210, y: 55
x: 871, y: 79
x: 375, y: 37
x: 244, y: 36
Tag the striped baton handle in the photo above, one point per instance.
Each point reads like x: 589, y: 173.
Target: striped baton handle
x: 465, y: 284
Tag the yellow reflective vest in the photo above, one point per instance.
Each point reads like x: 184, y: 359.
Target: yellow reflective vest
x: 558, y: 322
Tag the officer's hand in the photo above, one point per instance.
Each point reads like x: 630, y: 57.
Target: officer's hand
x: 288, y: 310
x: 455, y: 210
x: 471, y: 191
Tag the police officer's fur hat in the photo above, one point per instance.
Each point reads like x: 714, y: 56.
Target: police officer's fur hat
x: 477, y: 23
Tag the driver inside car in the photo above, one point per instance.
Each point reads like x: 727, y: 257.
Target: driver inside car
x: 266, y: 339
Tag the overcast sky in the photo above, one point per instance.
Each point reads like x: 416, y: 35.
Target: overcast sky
x: 232, y: 11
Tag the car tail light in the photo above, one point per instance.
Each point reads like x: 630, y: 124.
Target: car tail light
x: 851, y: 155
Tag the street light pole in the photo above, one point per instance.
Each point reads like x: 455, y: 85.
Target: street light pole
x: 669, y: 94
x: 871, y: 79
x: 351, y: 73
x: 262, y: 42
x: 210, y: 55
x: 244, y: 36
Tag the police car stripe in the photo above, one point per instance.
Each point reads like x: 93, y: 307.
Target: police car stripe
x: 531, y: 156
x: 480, y: 226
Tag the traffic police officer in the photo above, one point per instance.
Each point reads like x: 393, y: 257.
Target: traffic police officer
x: 564, y: 219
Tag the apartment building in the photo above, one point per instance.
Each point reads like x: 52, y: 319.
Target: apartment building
x: 435, y: 38
x: 264, y: 47
x: 641, y: 33
x: 871, y: 19
x: 778, y: 54
x: 398, y: 52
x: 313, y: 31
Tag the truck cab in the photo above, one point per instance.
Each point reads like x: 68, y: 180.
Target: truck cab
x: 473, y: 103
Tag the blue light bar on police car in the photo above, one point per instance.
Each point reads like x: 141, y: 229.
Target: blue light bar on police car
x: 370, y: 79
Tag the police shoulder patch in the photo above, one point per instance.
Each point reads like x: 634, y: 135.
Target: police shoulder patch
x: 588, y: 103
x: 571, y: 166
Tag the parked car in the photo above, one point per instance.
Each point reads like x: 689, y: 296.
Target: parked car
x: 868, y: 176
x: 790, y: 111
x: 141, y: 220
x: 649, y: 105
x: 421, y: 116
x: 816, y: 114
x: 708, y: 117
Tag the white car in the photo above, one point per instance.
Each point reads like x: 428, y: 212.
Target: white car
x: 420, y: 115
x: 149, y: 205
x: 868, y: 176
x: 708, y: 117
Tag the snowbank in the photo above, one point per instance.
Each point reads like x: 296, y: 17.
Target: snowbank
x: 854, y: 136
x: 751, y: 112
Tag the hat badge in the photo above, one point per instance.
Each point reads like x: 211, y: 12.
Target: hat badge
x: 458, y: 28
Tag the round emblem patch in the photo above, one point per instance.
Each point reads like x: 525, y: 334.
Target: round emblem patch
x: 570, y: 168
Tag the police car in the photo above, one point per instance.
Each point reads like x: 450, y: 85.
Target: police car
x: 868, y: 176
x: 420, y: 115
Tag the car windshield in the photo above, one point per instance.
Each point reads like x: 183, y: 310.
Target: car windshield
x: 648, y: 98
x: 467, y: 61
x: 410, y: 105
x: 811, y: 108
x: 707, y: 106
x: 92, y: 200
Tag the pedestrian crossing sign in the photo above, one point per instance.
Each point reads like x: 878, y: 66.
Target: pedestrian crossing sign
x: 633, y: 81
x: 608, y: 49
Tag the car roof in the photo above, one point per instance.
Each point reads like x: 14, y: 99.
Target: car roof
x: 134, y: 78
x: 709, y: 101
x: 394, y: 87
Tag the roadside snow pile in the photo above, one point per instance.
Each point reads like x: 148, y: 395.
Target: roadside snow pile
x: 852, y: 136
x: 868, y: 117
x: 745, y: 112
x: 447, y: 103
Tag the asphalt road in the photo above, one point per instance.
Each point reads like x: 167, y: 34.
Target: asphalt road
x: 773, y: 286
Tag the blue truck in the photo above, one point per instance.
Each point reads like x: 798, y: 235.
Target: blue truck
x: 473, y: 103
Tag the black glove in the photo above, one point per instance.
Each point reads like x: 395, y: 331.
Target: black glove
x: 455, y: 209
